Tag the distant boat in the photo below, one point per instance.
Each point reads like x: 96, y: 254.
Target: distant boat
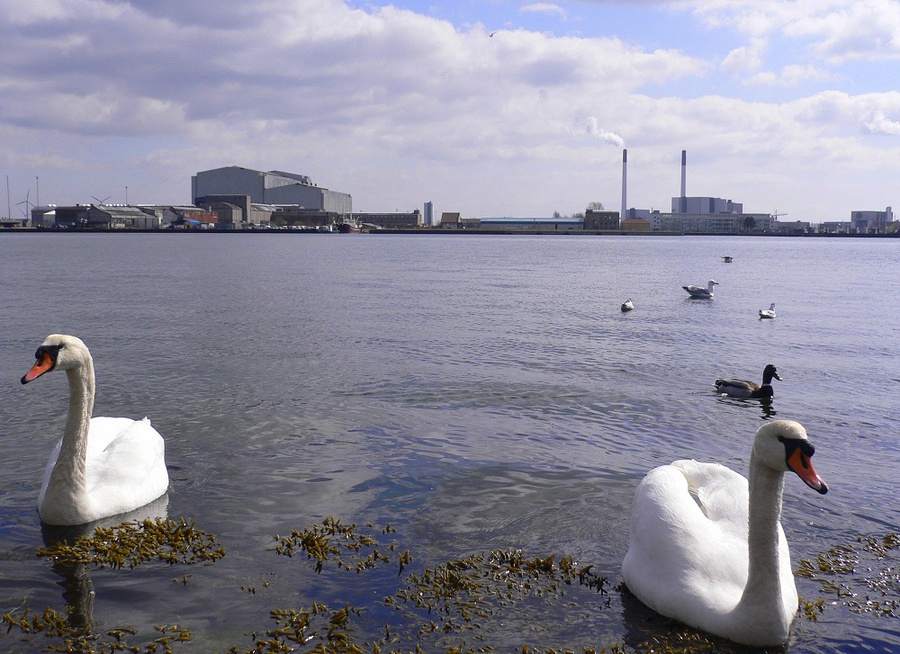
x: 700, y: 293
x: 627, y: 305
x: 727, y: 259
x: 349, y: 226
x: 767, y: 313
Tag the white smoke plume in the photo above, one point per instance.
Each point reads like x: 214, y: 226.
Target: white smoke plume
x: 593, y: 128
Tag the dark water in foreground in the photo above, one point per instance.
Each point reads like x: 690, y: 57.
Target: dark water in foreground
x: 474, y: 392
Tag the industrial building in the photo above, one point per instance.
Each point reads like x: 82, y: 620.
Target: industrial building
x: 120, y: 216
x: 693, y: 214
x: 871, y: 222
x: 276, y: 188
x: 390, y: 219
x: 601, y: 220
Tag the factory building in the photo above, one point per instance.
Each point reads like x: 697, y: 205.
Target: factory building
x: 268, y: 188
x: 390, y: 219
x: 704, y: 205
x: 711, y: 223
x: 600, y: 220
x: 874, y: 222
x: 693, y: 214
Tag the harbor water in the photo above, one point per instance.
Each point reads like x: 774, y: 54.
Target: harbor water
x: 473, y: 393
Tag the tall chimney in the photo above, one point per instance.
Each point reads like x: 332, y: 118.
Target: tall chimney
x: 624, y: 183
x: 683, y: 203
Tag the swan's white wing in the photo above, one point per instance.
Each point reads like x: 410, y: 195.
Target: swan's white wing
x: 688, y: 557
x: 125, y: 464
x: 723, y: 494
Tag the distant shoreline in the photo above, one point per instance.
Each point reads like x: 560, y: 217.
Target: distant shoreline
x: 433, y: 232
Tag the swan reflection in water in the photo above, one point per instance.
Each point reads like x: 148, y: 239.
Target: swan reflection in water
x: 78, y: 589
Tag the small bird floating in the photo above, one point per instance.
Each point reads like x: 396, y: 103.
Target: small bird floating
x: 727, y: 259
x: 744, y: 388
x: 627, y: 305
x: 768, y: 314
x: 701, y: 293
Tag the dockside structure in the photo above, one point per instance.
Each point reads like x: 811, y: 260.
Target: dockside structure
x: 277, y: 188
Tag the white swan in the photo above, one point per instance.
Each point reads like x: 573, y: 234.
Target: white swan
x: 767, y: 313
x: 707, y: 548
x: 701, y: 293
x: 744, y: 388
x: 102, y: 466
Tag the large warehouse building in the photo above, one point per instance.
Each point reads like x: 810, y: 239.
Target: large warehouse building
x: 273, y: 188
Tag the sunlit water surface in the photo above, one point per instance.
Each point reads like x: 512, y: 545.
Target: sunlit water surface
x: 475, y: 392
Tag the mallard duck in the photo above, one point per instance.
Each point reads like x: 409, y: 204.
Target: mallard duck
x: 744, y: 388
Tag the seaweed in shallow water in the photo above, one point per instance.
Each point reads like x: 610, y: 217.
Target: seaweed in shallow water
x: 863, y: 576
x: 131, y: 544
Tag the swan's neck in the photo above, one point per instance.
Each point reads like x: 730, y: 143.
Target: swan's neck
x: 69, y: 472
x: 763, y: 590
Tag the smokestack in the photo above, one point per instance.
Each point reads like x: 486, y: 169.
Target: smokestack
x: 683, y: 203
x: 624, y: 182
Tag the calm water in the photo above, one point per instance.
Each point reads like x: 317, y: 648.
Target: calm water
x: 475, y: 392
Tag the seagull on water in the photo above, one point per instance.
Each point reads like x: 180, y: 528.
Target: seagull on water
x: 767, y: 313
x: 701, y: 293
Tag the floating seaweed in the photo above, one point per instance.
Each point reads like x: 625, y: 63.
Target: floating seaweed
x: 335, y: 540
x: 318, y: 629
x: 450, y: 607
x: 133, y: 543
x: 53, y: 625
x: 875, y: 591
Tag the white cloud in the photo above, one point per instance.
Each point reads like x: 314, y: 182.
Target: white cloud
x: 881, y: 124
x: 543, y: 8
x: 836, y: 30
x: 395, y: 107
x: 745, y: 59
x: 791, y: 76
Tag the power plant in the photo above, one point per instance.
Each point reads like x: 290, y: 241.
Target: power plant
x: 691, y: 214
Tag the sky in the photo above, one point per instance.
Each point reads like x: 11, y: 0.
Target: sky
x: 487, y: 107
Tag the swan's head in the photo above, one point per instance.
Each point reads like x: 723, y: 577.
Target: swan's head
x: 58, y: 352
x: 783, y: 445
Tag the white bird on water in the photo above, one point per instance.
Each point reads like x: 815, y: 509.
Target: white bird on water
x: 767, y: 313
x: 102, y: 466
x: 701, y: 293
x: 627, y: 305
x: 707, y: 547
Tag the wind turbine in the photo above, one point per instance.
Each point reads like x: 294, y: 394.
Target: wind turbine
x: 99, y: 201
x: 26, y: 202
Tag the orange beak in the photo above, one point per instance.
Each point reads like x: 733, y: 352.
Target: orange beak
x: 42, y: 365
x: 802, y: 465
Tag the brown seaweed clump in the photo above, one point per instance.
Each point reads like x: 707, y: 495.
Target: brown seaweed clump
x: 862, y: 576
x: 133, y: 543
